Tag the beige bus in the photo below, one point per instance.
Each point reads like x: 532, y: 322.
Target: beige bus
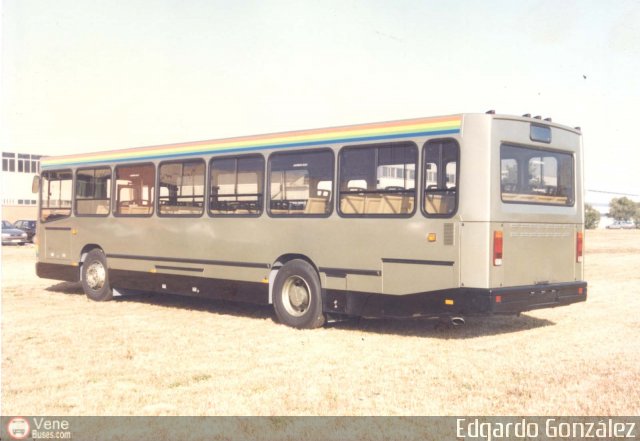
x: 441, y: 217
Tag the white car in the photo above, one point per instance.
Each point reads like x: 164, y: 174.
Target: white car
x: 621, y: 225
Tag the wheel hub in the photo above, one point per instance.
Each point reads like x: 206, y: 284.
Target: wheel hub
x: 95, y: 275
x: 295, y: 296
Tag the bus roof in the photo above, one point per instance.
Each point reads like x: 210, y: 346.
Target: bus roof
x: 443, y: 125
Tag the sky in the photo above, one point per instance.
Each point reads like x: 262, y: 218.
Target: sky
x: 90, y: 75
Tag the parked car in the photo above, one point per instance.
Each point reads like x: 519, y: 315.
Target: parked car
x: 11, y: 234
x: 621, y: 225
x: 28, y: 226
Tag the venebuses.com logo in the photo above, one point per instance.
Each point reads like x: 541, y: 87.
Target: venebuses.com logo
x: 18, y: 428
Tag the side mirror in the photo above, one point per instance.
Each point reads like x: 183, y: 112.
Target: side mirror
x: 35, y: 184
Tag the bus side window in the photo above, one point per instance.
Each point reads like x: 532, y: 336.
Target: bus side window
x: 56, y: 192
x: 181, y: 188
x: 378, y: 180
x: 301, y: 183
x: 135, y: 188
x: 93, y: 191
x: 441, y: 159
x: 236, y: 186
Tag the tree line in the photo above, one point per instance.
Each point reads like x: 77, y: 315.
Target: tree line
x: 620, y: 209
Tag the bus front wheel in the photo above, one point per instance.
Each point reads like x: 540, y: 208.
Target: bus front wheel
x: 297, y: 295
x: 95, y: 276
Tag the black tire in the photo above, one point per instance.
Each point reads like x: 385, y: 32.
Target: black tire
x: 297, y: 295
x: 95, y: 276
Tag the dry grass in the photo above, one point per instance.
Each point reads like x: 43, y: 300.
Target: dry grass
x: 163, y: 355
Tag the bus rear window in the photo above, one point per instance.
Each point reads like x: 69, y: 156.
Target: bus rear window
x: 536, y: 176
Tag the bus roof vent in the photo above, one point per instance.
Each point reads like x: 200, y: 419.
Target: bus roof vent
x: 490, y: 112
x: 578, y: 128
x: 538, y: 117
x: 526, y: 115
x: 548, y: 119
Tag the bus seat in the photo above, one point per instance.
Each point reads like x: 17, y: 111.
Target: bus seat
x: 316, y: 206
x: 448, y: 203
x: 408, y: 204
x: 168, y: 209
x: 440, y: 203
x: 102, y: 209
x: 189, y: 210
x: 391, y: 204
x: 139, y: 209
x: 433, y: 203
x: 352, y: 204
x: 372, y: 203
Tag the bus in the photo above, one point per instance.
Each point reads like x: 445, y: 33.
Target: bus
x: 439, y: 217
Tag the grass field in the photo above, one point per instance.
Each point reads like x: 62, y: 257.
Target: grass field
x: 166, y: 355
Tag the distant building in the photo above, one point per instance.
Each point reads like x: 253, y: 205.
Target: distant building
x: 18, y: 170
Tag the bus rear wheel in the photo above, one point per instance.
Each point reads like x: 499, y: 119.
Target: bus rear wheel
x: 298, y: 295
x: 95, y: 276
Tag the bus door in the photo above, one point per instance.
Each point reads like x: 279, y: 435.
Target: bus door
x: 55, y: 207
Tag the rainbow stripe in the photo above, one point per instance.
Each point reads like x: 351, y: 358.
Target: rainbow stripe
x: 357, y: 133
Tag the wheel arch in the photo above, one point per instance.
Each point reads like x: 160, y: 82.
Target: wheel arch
x: 280, y: 261
x: 85, y: 250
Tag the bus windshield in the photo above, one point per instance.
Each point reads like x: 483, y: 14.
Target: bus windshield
x: 536, y: 176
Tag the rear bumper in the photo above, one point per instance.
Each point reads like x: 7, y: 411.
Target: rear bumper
x: 526, y: 298
x: 456, y: 302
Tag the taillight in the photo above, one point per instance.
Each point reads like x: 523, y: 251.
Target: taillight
x: 579, y: 246
x: 497, y: 248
